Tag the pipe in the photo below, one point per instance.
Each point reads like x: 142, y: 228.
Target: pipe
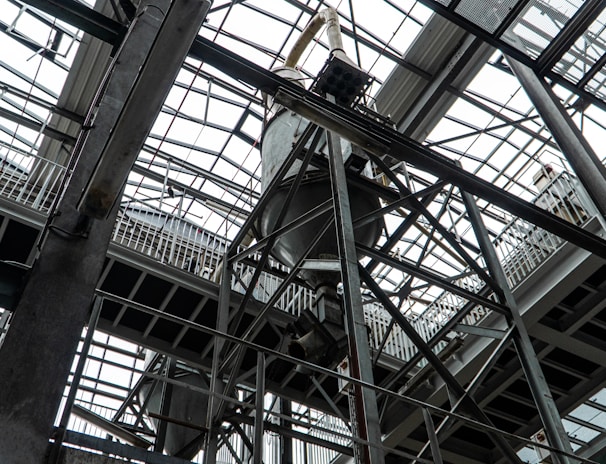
x: 327, y: 16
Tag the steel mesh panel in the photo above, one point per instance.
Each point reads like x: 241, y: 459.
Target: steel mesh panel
x: 538, y: 24
x: 488, y: 14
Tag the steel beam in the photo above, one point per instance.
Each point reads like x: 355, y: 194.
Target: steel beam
x: 37, y: 126
x: 167, y: 397
x: 274, y: 185
x: 432, y: 278
x: 37, y: 353
x: 120, y: 449
x: 259, y: 408
x: 447, y: 423
x: 383, y: 140
x: 329, y: 400
x: 380, y: 139
x: 177, y: 31
x: 77, y: 376
x: 579, y: 153
x: 530, y: 364
x: 366, y: 412
x: 216, y: 383
x: 395, y: 237
x: 440, y: 83
x: 314, y: 213
x: 449, y: 326
x: 297, y: 151
x: 255, y: 324
x: 568, y: 35
x: 186, y: 189
x: 109, y: 427
x: 435, y: 223
x: 228, y: 445
x: 83, y: 17
x: 286, y: 448
x: 238, y: 353
x: 433, y: 438
x: 435, y: 362
x: 291, y: 433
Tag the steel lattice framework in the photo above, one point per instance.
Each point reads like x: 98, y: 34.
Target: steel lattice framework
x: 480, y: 194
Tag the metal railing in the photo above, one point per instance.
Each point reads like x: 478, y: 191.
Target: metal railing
x: 175, y: 241
x: 169, y: 239
x: 29, y: 179
x: 293, y: 300
x: 521, y: 248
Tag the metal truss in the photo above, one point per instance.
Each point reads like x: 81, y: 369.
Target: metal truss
x: 236, y: 394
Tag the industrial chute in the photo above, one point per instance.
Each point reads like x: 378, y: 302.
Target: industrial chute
x: 319, y: 332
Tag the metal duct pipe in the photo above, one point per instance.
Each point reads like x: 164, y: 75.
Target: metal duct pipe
x: 327, y: 16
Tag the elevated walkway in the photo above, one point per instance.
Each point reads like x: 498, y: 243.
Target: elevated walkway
x: 159, y: 292
x: 562, y: 304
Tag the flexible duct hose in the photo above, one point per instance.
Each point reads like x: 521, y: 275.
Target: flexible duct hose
x: 327, y: 16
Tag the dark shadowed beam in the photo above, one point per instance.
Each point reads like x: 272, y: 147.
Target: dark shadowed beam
x: 379, y: 139
x: 82, y: 17
x: 568, y: 35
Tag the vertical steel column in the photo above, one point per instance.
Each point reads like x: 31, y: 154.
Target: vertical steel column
x: 546, y: 406
x: 584, y: 161
x: 366, y: 413
x: 216, y: 383
x: 286, y: 451
x: 259, y: 407
x: 434, y: 443
x: 167, y: 397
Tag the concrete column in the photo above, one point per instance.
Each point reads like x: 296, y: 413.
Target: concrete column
x: 37, y: 353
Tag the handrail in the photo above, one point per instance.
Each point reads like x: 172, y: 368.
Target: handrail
x: 175, y: 241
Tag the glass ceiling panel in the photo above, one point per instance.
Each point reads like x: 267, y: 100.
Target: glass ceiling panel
x: 585, y: 52
x: 207, y: 139
x: 487, y: 14
x: 539, y: 23
x: 36, y: 52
